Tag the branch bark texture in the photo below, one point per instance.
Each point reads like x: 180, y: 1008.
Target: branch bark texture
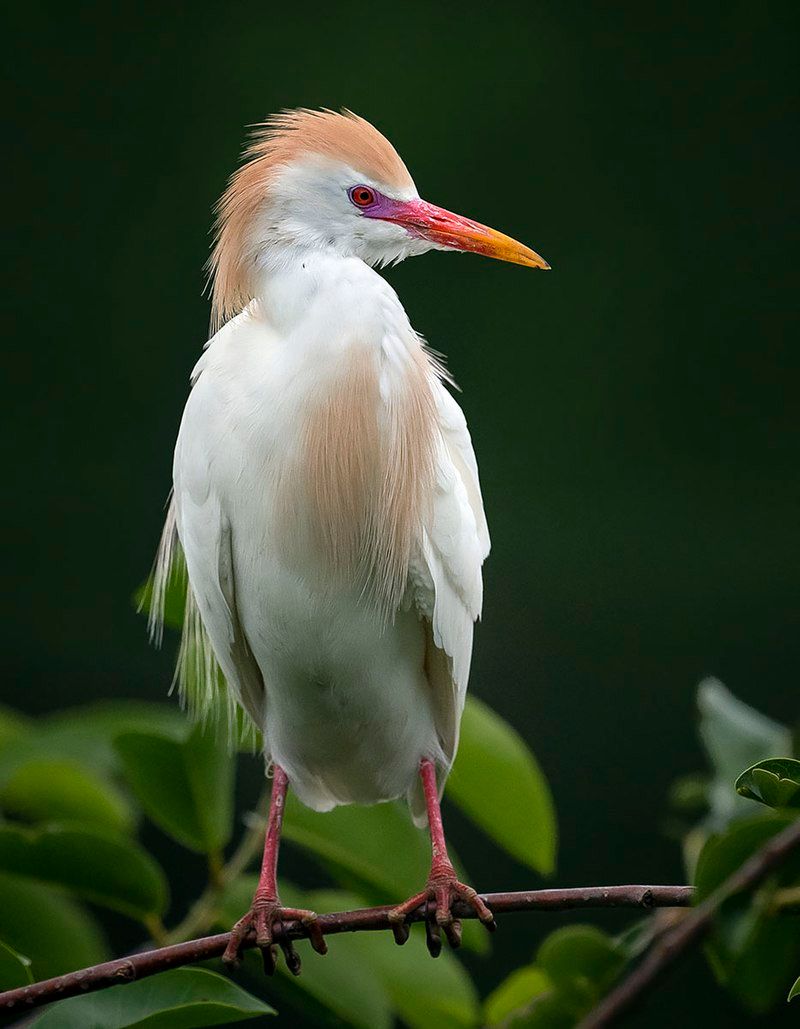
x: 138, y: 966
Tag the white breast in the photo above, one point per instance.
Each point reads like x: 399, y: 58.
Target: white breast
x: 302, y: 499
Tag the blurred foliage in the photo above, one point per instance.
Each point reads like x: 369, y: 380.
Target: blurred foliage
x: 77, y: 789
x: 177, y: 999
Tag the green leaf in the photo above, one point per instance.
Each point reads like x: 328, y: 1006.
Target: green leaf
x: 365, y: 976
x: 498, y: 784
x: 86, y: 735
x: 425, y: 994
x: 57, y: 933
x: 376, y: 847
x: 61, y: 790
x: 582, y: 962
x: 689, y: 794
x: 179, y: 999
x: 753, y: 949
x: 515, y: 993
x: 735, y: 736
x: 15, y: 969
x: 725, y: 852
x: 184, y: 786
x: 99, y: 866
x: 774, y: 782
x: 547, y: 1011
x: 795, y: 990
x: 376, y: 851
x: 13, y: 725
x: 336, y: 981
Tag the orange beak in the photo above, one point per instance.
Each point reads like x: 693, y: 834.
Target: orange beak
x: 453, y: 232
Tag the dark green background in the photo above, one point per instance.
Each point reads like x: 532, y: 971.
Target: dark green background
x: 633, y: 411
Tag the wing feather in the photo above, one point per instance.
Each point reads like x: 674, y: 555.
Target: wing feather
x: 448, y: 587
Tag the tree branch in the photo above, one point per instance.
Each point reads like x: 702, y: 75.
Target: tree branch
x: 138, y: 966
x: 691, y: 929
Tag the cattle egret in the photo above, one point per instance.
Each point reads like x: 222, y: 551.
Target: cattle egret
x: 326, y: 498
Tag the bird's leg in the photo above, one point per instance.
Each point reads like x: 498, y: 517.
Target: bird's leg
x: 442, y: 887
x: 266, y: 912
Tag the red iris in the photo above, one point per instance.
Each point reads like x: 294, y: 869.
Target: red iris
x: 362, y: 196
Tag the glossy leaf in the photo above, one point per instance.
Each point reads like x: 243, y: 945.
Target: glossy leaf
x: 515, y: 993
x: 184, y: 786
x: 376, y: 851
x: 795, y: 990
x: 377, y: 847
x: 86, y: 735
x: 96, y: 865
x: 727, y: 851
x: 753, y: 950
x: 774, y: 782
x: 337, y: 981
x: 735, y: 736
x: 62, y: 790
x: 548, y: 1011
x: 582, y: 962
x: 366, y: 976
x: 15, y: 969
x: 498, y: 784
x: 178, y: 999
x: 54, y: 931
x: 425, y: 994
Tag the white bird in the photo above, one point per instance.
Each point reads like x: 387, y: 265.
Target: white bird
x: 326, y: 496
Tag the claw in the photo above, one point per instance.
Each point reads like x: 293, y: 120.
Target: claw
x: 401, y: 933
x: 433, y: 935
x: 442, y: 889
x: 293, y: 962
x: 269, y: 956
x: 262, y: 920
x: 312, y: 927
x: 453, y: 933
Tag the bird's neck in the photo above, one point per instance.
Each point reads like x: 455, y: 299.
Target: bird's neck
x: 289, y: 280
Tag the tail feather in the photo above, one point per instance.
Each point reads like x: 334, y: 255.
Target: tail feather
x: 202, y: 689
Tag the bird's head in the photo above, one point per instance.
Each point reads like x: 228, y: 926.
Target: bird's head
x: 318, y: 180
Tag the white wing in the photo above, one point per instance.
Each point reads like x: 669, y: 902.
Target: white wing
x: 449, y: 588
x: 198, y: 532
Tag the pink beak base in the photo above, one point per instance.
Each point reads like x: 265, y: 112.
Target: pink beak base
x: 455, y: 232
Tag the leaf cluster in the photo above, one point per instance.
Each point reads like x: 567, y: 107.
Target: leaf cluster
x: 76, y: 789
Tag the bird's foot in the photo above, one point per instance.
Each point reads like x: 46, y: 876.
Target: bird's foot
x: 441, y: 890
x: 264, y: 917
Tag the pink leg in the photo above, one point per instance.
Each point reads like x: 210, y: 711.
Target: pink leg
x: 442, y: 887
x: 266, y: 911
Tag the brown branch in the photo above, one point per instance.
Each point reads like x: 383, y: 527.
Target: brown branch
x: 137, y: 966
x: 691, y: 929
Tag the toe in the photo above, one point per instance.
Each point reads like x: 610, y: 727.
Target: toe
x: 470, y: 896
x: 314, y: 931
x: 433, y: 934
x: 269, y: 955
x: 453, y: 933
x: 444, y: 916
x: 233, y: 950
x: 293, y: 962
x: 401, y: 932
x: 263, y: 926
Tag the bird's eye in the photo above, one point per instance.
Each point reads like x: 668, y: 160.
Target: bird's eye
x: 362, y: 196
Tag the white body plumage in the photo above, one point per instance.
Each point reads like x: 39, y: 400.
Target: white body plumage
x: 350, y: 701
x: 326, y: 494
